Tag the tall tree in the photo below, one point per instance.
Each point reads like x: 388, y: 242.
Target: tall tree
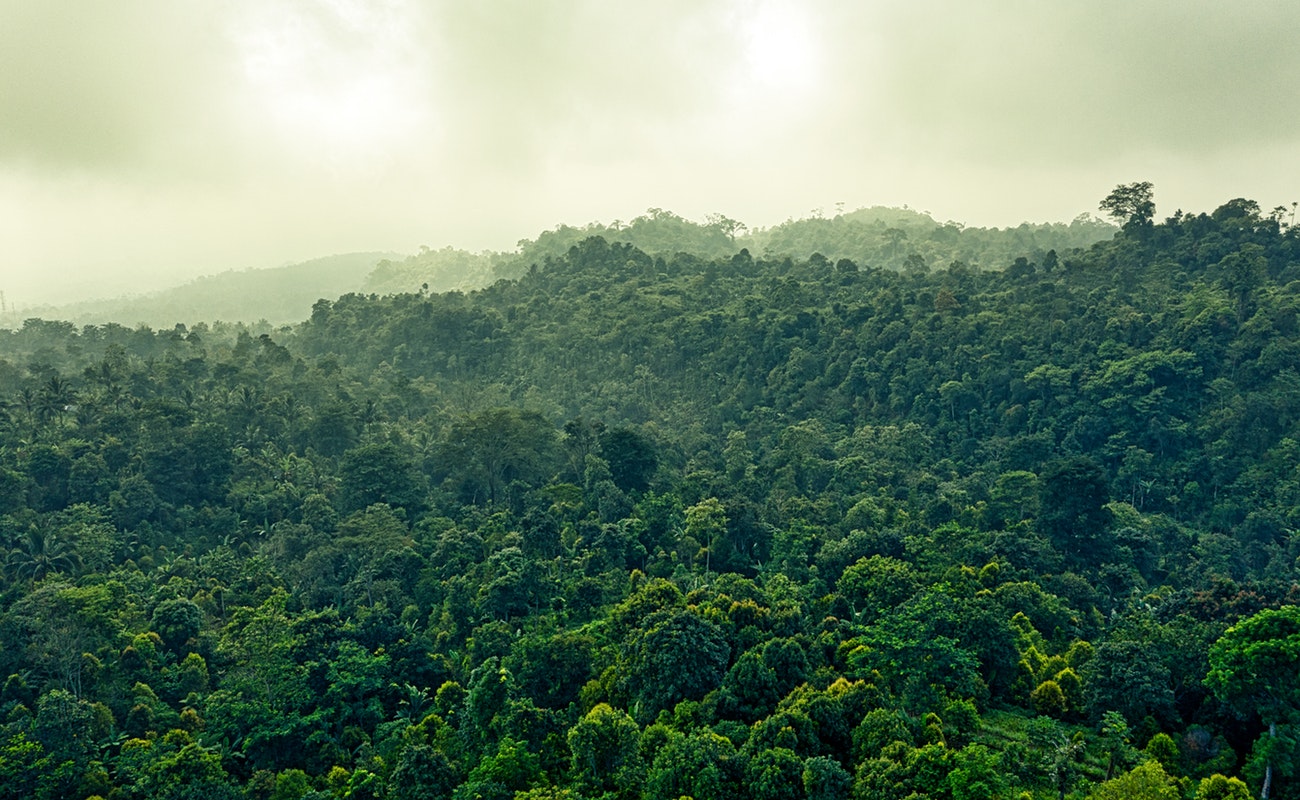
x: 1131, y: 205
x: 1253, y: 667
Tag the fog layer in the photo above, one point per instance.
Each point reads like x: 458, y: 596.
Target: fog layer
x: 143, y: 142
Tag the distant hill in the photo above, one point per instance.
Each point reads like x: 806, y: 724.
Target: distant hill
x: 881, y: 237
x: 897, y: 239
x: 445, y: 270
x: 278, y: 295
x: 877, y: 237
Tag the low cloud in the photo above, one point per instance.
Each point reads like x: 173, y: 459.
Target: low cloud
x: 145, y: 140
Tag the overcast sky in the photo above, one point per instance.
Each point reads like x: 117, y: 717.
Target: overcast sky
x: 143, y: 142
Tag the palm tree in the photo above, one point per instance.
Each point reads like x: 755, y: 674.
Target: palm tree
x: 27, y: 403
x: 40, y: 555
x: 55, y: 399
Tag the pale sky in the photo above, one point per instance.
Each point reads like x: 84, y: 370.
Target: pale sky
x: 144, y: 142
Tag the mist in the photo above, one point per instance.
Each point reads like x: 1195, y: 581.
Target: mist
x: 144, y: 143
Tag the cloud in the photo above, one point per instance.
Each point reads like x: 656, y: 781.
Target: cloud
x: 153, y: 137
x: 105, y: 86
x: 1004, y: 82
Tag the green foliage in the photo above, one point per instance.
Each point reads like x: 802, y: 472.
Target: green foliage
x: 1255, y: 662
x: 1130, y: 205
x: 1146, y: 781
x: 977, y: 773
x: 1162, y: 750
x: 512, y: 768
x: 1130, y: 678
x: 1219, y: 787
x: 700, y: 764
x: 489, y: 451
x: 378, y: 473
x: 631, y: 456
x: 177, y: 621
x: 938, y: 512
x: 606, y: 760
x: 677, y: 656
x: 877, y: 585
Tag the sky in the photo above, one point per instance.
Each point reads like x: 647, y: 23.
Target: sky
x: 146, y: 142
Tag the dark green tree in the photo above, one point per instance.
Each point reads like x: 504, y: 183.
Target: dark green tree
x: 422, y: 772
x: 678, y: 656
x: 177, y: 621
x: 379, y: 473
x: 631, y: 456
x: 491, y: 450
x: 1131, y: 205
x: 1073, y: 510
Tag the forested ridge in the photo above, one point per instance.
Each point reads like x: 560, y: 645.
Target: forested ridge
x: 636, y: 523
x: 884, y: 237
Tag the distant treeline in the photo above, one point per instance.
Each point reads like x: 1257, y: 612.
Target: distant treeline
x: 892, y: 238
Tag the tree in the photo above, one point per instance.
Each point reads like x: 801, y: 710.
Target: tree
x: 1074, y: 513
x: 422, y: 772
x: 877, y: 585
x: 64, y: 724
x: 65, y: 623
x: 825, y: 779
x: 55, y: 399
x: 679, y: 656
x: 379, y: 473
x: 696, y: 765
x: 22, y: 762
x: 751, y: 690
x: 41, y: 555
x: 976, y: 774
x: 1253, y: 667
x: 490, y: 450
x: 375, y: 548
x: 1131, y: 205
x: 257, y: 647
x: 774, y: 774
x: 1242, y: 274
x: 174, y: 767
x: 1128, y: 677
x: 725, y: 225
x: 631, y: 457
x: 706, y: 521
x: 177, y: 621
x: 1220, y: 787
x: 605, y: 759
x: 1115, y: 738
x: 512, y: 768
x: 1145, y: 782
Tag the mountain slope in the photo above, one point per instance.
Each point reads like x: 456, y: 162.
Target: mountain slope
x: 645, y: 526
x: 279, y: 295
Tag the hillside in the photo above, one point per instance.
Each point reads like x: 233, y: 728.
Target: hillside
x: 654, y: 523
x: 888, y: 238
x: 278, y: 295
x: 882, y: 237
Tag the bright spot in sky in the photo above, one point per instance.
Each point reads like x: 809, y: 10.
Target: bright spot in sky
x: 339, y: 84
x: 780, y: 51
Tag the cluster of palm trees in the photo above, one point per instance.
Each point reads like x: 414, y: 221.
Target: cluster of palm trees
x: 38, y: 553
x: 52, y: 401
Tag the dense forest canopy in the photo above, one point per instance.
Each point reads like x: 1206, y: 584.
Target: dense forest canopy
x: 646, y: 520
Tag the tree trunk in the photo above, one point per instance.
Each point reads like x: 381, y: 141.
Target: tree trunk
x: 1268, y: 765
